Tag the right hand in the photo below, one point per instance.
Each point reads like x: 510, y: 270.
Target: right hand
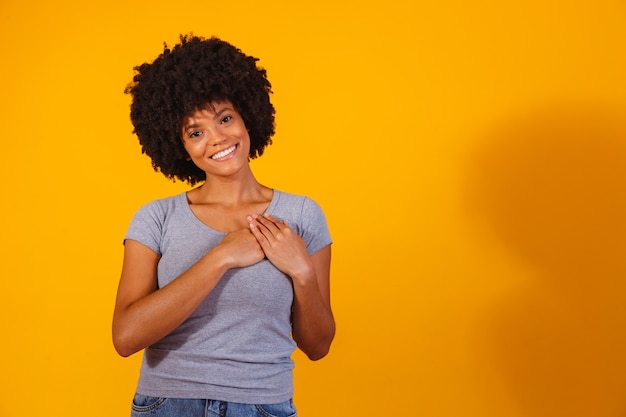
x: 241, y: 249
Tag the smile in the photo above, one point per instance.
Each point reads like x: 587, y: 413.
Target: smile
x: 224, y: 153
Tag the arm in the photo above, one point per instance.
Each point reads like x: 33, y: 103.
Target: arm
x: 313, y: 323
x: 144, y: 314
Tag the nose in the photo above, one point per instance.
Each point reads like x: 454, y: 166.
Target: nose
x: 216, y: 137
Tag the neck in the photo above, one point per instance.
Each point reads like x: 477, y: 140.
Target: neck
x: 228, y: 191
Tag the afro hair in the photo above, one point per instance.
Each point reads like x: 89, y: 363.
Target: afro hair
x: 189, y: 76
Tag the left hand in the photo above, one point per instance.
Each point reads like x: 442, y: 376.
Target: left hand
x: 282, y: 246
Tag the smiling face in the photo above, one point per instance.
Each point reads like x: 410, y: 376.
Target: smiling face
x: 216, y: 139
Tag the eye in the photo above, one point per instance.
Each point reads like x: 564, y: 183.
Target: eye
x: 226, y: 119
x: 195, y: 134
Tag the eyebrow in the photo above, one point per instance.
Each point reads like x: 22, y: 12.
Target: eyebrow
x: 217, y: 114
x: 191, y: 126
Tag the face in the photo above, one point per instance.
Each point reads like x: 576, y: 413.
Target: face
x: 216, y: 139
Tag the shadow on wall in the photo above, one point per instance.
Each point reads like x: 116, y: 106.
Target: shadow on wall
x: 552, y: 186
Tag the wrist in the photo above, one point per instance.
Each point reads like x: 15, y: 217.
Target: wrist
x: 220, y: 259
x: 304, y: 275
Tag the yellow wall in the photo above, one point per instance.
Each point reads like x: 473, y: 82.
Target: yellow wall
x: 470, y: 156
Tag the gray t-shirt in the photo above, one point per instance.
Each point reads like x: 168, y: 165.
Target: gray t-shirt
x: 236, y: 346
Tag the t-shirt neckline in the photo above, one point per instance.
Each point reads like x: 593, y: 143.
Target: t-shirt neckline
x: 190, y: 214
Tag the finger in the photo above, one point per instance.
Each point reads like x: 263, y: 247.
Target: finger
x: 264, y: 217
x: 268, y: 218
x: 254, y: 223
x: 268, y: 225
x: 260, y: 232
x: 280, y: 224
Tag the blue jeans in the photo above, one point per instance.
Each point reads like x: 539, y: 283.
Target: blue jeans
x: 144, y: 406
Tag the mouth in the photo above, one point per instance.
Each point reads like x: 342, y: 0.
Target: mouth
x: 224, y: 153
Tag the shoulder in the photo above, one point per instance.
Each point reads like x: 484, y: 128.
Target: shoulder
x: 298, y: 209
x: 286, y: 198
x: 162, y: 205
x: 151, y: 220
x: 306, y: 217
x: 158, y: 210
x: 295, y: 203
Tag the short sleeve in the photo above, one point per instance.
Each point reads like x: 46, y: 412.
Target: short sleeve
x: 146, y: 226
x: 314, y: 226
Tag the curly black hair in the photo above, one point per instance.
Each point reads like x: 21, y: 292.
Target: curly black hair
x: 192, y: 74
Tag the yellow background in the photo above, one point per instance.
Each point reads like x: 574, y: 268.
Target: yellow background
x: 470, y: 157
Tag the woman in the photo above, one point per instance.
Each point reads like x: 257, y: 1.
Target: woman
x: 218, y: 284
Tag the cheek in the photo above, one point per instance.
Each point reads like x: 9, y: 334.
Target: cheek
x: 192, y: 148
x: 246, y: 141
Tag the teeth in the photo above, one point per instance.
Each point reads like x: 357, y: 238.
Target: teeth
x: 223, y: 153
